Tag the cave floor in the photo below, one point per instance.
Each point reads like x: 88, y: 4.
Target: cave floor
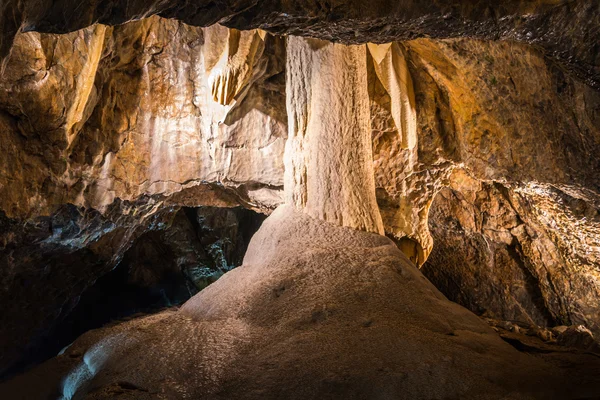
x: 316, y: 311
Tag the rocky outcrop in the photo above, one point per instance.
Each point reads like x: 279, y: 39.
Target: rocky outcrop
x: 477, y: 110
x: 517, y: 252
x: 501, y: 144
x: 316, y: 311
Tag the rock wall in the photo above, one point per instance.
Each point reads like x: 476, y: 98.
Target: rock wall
x: 122, y: 112
x: 127, y: 122
x: 505, y: 120
x: 78, y: 269
x: 526, y: 253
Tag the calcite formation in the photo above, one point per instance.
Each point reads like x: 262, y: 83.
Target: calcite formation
x: 340, y: 314
x: 477, y: 157
x: 141, y: 119
x: 328, y: 159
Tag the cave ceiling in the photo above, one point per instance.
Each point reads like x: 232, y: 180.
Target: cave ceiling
x: 566, y: 30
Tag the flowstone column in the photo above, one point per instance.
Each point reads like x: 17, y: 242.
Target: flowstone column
x: 328, y: 156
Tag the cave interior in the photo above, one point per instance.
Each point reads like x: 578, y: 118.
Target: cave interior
x: 299, y: 199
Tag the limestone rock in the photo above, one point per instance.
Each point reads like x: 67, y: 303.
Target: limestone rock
x: 107, y: 116
x: 135, y: 116
x: 316, y: 311
x: 483, y: 129
x: 80, y: 269
x: 566, y: 30
x: 509, y: 251
x: 579, y: 337
x: 328, y: 155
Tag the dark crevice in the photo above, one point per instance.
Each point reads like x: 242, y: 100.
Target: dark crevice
x: 162, y: 268
x: 532, y: 284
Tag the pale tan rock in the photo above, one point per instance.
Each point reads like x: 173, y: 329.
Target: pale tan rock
x: 328, y: 156
x: 232, y: 73
x: 395, y: 144
x: 129, y: 111
x: 316, y: 311
x: 392, y: 72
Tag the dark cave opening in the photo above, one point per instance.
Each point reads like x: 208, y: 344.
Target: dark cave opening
x: 161, y: 269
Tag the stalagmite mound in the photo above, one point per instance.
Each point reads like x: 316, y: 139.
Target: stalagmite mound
x: 317, y: 311
x: 467, y: 132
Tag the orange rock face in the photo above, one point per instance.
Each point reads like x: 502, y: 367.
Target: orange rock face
x: 484, y: 153
x: 123, y: 112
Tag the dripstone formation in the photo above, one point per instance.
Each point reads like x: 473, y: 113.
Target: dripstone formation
x: 466, y: 133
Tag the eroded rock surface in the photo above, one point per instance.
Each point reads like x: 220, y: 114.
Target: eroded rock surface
x: 567, y: 30
x: 518, y: 155
x: 162, y: 112
x: 123, y: 112
x: 517, y: 252
x: 316, y: 311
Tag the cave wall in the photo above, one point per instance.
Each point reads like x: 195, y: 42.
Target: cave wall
x: 128, y: 123
x: 526, y: 132
x: 122, y: 112
x: 517, y: 252
x: 79, y: 269
x: 498, y: 111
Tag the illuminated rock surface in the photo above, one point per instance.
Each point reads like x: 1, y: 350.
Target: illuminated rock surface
x: 566, y: 30
x: 145, y: 121
x: 484, y: 152
x: 310, y: 314
x: 328, y: 156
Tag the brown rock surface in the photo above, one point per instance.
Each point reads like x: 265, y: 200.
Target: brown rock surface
x: 517, y: 252
x: 565, y: 29
x: 520, y: 136
x: 316, y: 311
x: 140, y: 121
x: 78, y: 269
x: 161, y: 112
